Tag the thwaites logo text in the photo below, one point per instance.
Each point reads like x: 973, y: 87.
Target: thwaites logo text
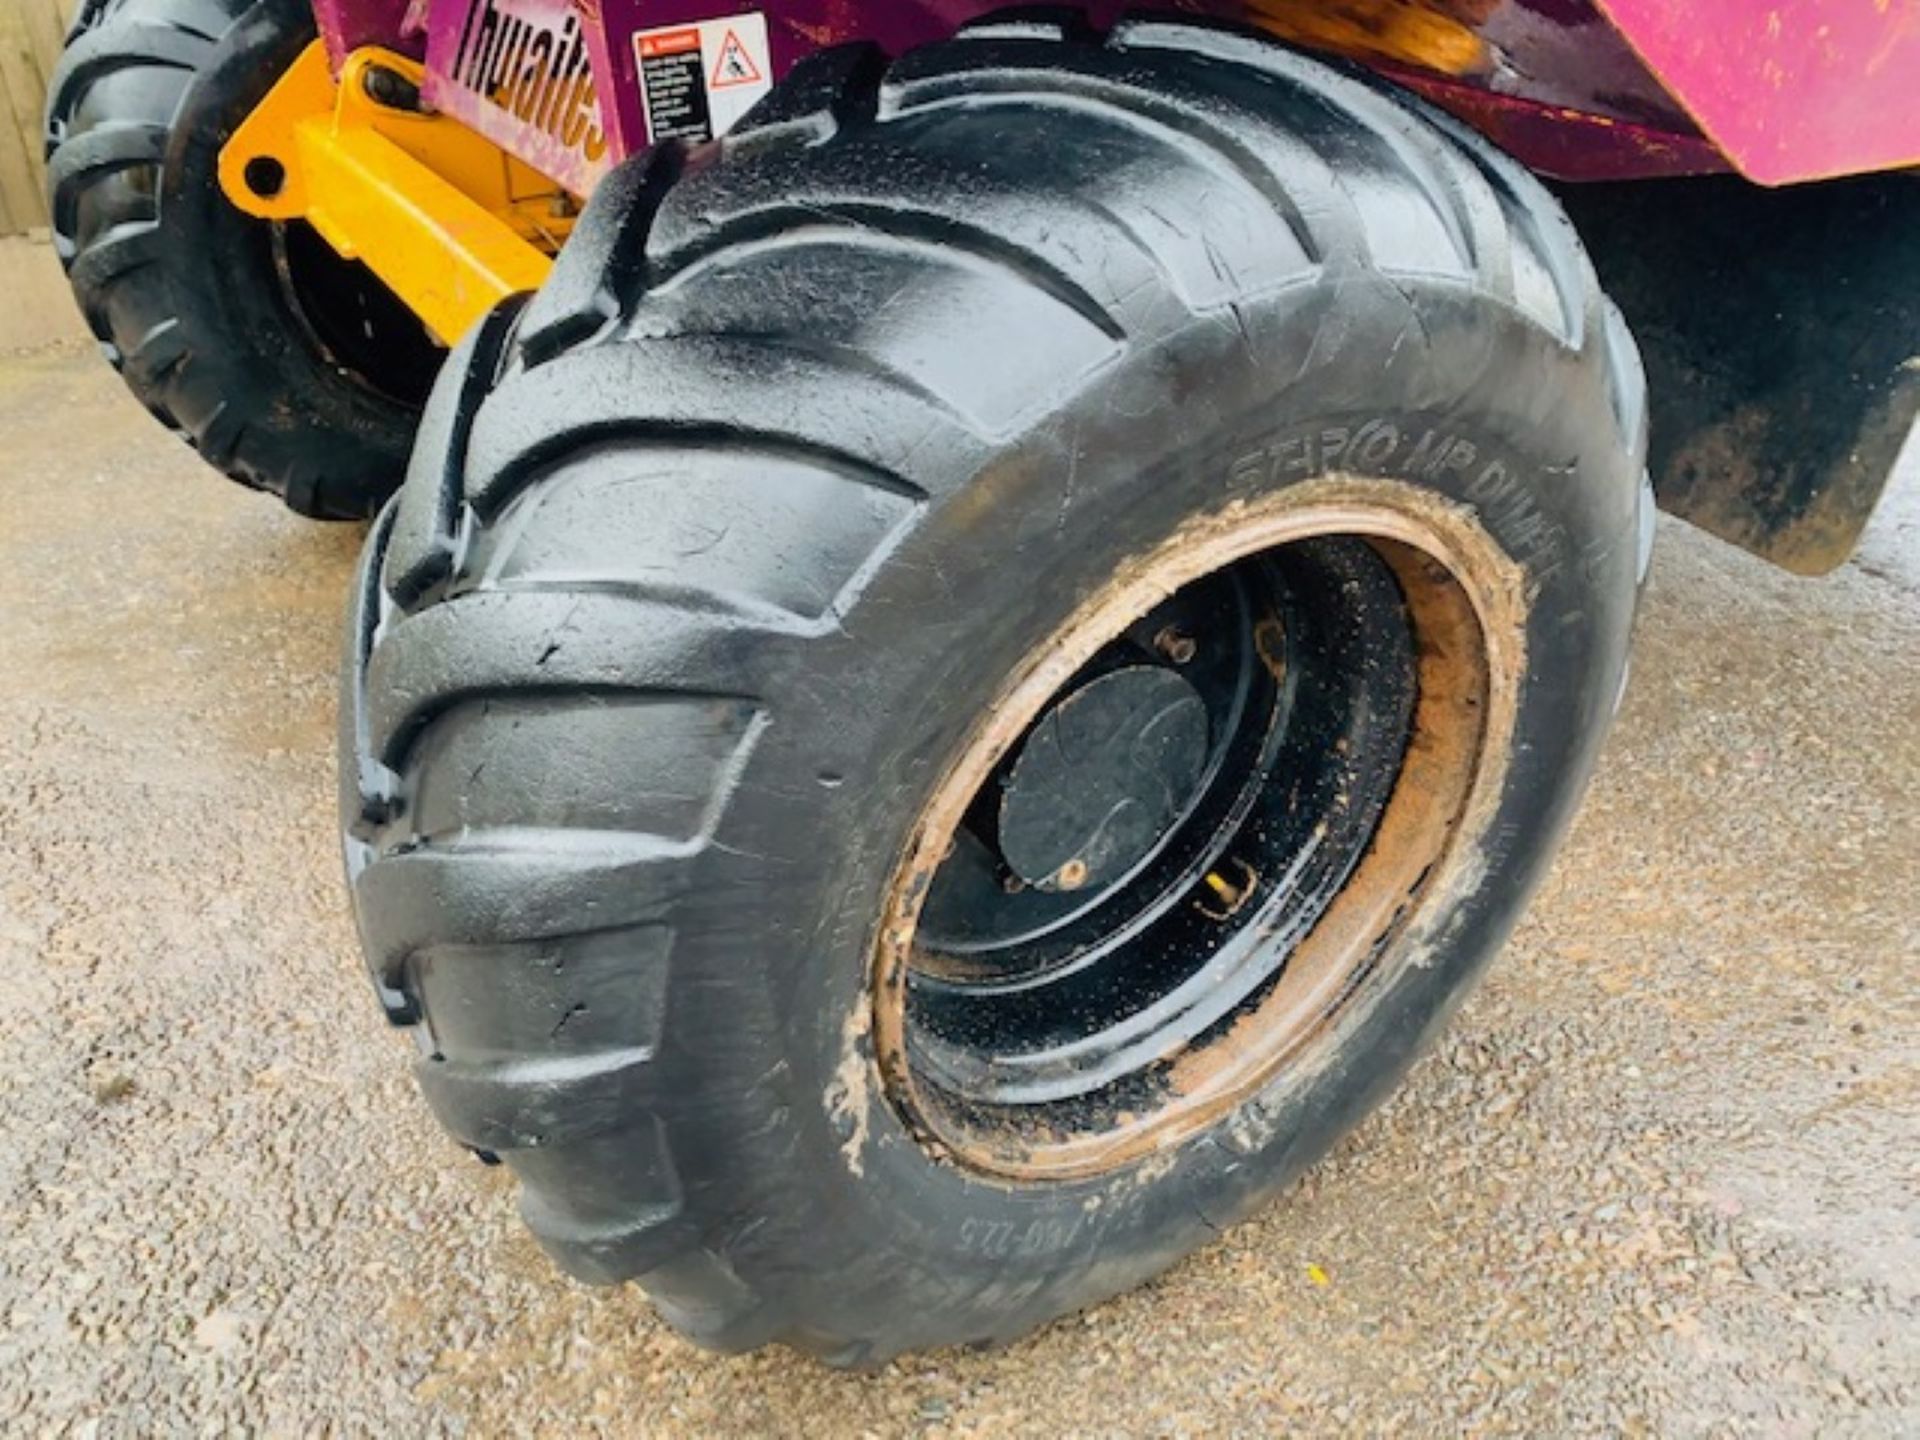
x: 535, y: 70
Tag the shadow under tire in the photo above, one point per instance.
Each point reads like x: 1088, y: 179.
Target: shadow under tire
x: 739, y: 572
x: 289, y: 368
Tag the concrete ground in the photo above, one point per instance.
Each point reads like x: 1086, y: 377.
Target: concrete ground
x: 35, y: 303
x: 1663, y: 1175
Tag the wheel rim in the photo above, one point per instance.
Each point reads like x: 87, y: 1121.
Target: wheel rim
x: 1198, y: 831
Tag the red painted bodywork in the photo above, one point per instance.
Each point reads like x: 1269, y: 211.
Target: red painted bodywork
x: 1789, y: 91
x: 1578, y: 89
x: 348, y: 24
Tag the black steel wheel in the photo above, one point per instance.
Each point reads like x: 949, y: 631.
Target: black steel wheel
x: 1147, y: 859
x: 925, y: 734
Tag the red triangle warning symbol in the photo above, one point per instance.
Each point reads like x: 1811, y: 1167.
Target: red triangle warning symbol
x: 735, y: 66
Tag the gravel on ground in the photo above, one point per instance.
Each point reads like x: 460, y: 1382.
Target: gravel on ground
x: 1662, y: 1175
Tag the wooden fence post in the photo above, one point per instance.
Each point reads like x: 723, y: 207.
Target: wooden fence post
x: 30, y: 36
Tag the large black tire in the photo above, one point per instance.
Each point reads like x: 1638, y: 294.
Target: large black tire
x: 712, y: 554
x: 285, y: 366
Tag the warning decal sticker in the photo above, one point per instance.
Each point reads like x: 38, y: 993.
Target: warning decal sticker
x: 698, y: 80
x: 735, y: 66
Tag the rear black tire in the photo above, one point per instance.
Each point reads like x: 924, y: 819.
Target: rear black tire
x: 287, y: 367
x: 713, y: 554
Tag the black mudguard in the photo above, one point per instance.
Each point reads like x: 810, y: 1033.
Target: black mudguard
x: 1781, y: 332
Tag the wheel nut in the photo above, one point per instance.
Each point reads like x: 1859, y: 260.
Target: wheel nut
x: 1176, y: 645
x: 1072, y: 875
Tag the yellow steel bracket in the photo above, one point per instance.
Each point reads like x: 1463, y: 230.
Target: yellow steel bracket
x: 448, y: 220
